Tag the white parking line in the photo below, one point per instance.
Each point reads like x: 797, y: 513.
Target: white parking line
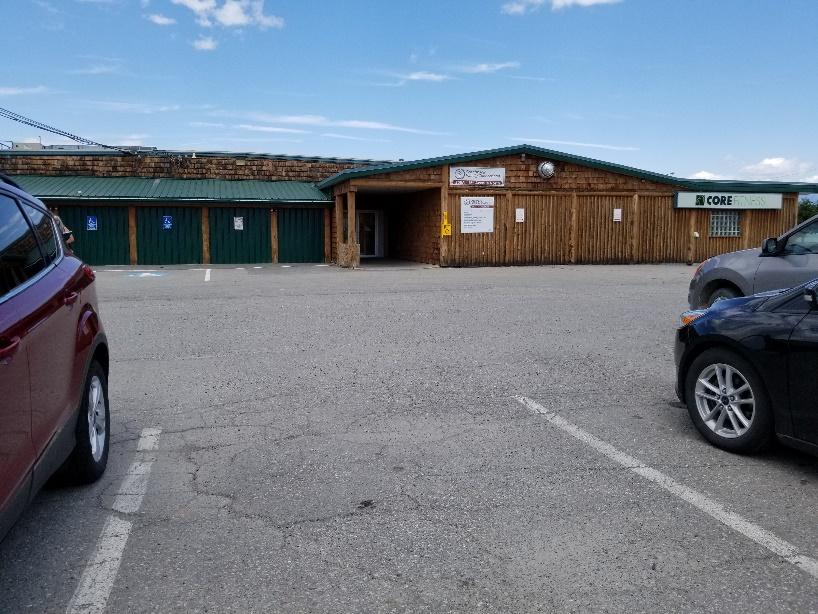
x: 99, y: 575
x: 716, y: 510
x: 207, y: 274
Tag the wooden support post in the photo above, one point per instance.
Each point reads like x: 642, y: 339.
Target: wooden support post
x: 339, y: 227
x: 636, y: 256
x: 273, y: 236
x: 205, y: 235
x: 445, y: 242
x: 352, y: 238
x: 327, y: 235
x: 132, y: 248
x: 573, y: 248
x: 691, y: 241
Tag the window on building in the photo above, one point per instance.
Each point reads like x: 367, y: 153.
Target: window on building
x: 725, y: 223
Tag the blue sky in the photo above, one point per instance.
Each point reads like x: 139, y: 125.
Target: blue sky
x: 721, y: 88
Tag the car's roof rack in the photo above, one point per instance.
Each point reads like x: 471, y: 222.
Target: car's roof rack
x: 10, y: 181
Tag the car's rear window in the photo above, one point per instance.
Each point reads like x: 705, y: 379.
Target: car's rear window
x: 20, y: 256
x: 44, y: 228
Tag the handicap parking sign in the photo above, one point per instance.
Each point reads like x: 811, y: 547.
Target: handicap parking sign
x: 91, y: 222
x: 167, y: 222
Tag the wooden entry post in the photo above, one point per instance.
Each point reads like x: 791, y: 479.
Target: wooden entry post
x: 445, y: 242
x: 274, y: 235
x: 352, y: 239
x: 339, y: 227
x: 353, y: 256
x: 132, y: 249
x: 205, y: 235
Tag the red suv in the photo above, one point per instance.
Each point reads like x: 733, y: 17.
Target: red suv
x: 53, y: 358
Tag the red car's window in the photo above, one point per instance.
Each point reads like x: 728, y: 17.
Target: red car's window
x: 44, y: 228
x: 20, y: 256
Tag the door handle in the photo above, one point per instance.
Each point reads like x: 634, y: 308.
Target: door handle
x: 10, y: 349
x: 70, y: 298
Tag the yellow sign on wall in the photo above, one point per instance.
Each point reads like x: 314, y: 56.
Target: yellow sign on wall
x: 445, y: 227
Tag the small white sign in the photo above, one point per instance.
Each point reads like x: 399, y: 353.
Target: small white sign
x: 238, y: 223
x: 476, y: 214
x: 477, y: 176
x: 617, y: 215
x: 519, y: 215
x: 725, y: 200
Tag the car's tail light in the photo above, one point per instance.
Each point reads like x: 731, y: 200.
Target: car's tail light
x: 88, y: 272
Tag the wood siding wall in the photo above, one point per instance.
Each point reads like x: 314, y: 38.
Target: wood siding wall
x: 579, y: 228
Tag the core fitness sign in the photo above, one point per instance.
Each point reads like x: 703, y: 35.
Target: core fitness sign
x: 724, y: 200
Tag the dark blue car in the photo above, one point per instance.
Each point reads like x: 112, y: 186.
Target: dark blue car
x: 747, y: 369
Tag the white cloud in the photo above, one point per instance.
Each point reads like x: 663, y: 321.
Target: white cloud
x: 347, y: 137
x: 326, y: 122
x: 779, y: 168
x: 707, y: 175
x: 812, y: 179
x: 232, y: 13
x: 160, y: 20
x: 205, y: 125
x: 486, y: 68
x: 96, y: 69
x: 521, y: 7
x: 20, y: 91
x: 275, y: 129
x: 423, y: 75
x: 528, y: 78
x: 577, y: 144
x: 205, y: 43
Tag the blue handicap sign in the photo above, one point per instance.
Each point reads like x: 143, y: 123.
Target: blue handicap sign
x: 91, y: 222
x: 167, y: 222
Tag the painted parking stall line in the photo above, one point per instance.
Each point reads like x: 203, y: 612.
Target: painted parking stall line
x: 99, y: 575
x: 207, y: 274
x: 712, y: 508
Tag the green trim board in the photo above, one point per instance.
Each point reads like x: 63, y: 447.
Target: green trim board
x: 163, y: 189
x: 689, y: 184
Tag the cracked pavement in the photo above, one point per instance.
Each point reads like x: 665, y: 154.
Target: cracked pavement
x: 347, y: 441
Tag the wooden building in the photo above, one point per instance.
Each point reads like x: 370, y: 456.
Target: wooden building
x: 537, y: 206
x: 511, y: 206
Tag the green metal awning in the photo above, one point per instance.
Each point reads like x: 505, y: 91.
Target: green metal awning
x: 160, y: 189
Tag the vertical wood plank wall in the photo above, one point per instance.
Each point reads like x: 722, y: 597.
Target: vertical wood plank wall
x: 561, y: 228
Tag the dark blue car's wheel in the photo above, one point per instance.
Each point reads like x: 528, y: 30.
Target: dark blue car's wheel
x: 728, y: 402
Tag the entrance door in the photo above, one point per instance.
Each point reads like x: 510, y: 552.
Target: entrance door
x: 370, y: 233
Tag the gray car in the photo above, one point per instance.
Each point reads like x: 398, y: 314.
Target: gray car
x: 787, y: 261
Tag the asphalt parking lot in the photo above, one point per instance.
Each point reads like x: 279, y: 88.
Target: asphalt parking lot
x: 393, y: 439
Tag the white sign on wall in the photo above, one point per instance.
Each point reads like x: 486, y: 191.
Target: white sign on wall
x: 238, y: 223
x: 477, y: 176
x: 476, y: 214
x: 617, y: 215
x: 726, y: 200
x: 519, y: 215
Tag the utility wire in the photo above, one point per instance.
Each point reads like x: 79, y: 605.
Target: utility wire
x: 41, y: 126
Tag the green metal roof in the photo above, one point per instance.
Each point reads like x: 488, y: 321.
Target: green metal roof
x: 147, y: 188
x: 686, y: 184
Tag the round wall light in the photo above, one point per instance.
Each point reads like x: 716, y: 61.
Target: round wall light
x: 546, y: 169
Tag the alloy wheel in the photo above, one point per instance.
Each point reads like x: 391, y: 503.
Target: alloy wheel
x: 725, y: 400
x: 97, y: 424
